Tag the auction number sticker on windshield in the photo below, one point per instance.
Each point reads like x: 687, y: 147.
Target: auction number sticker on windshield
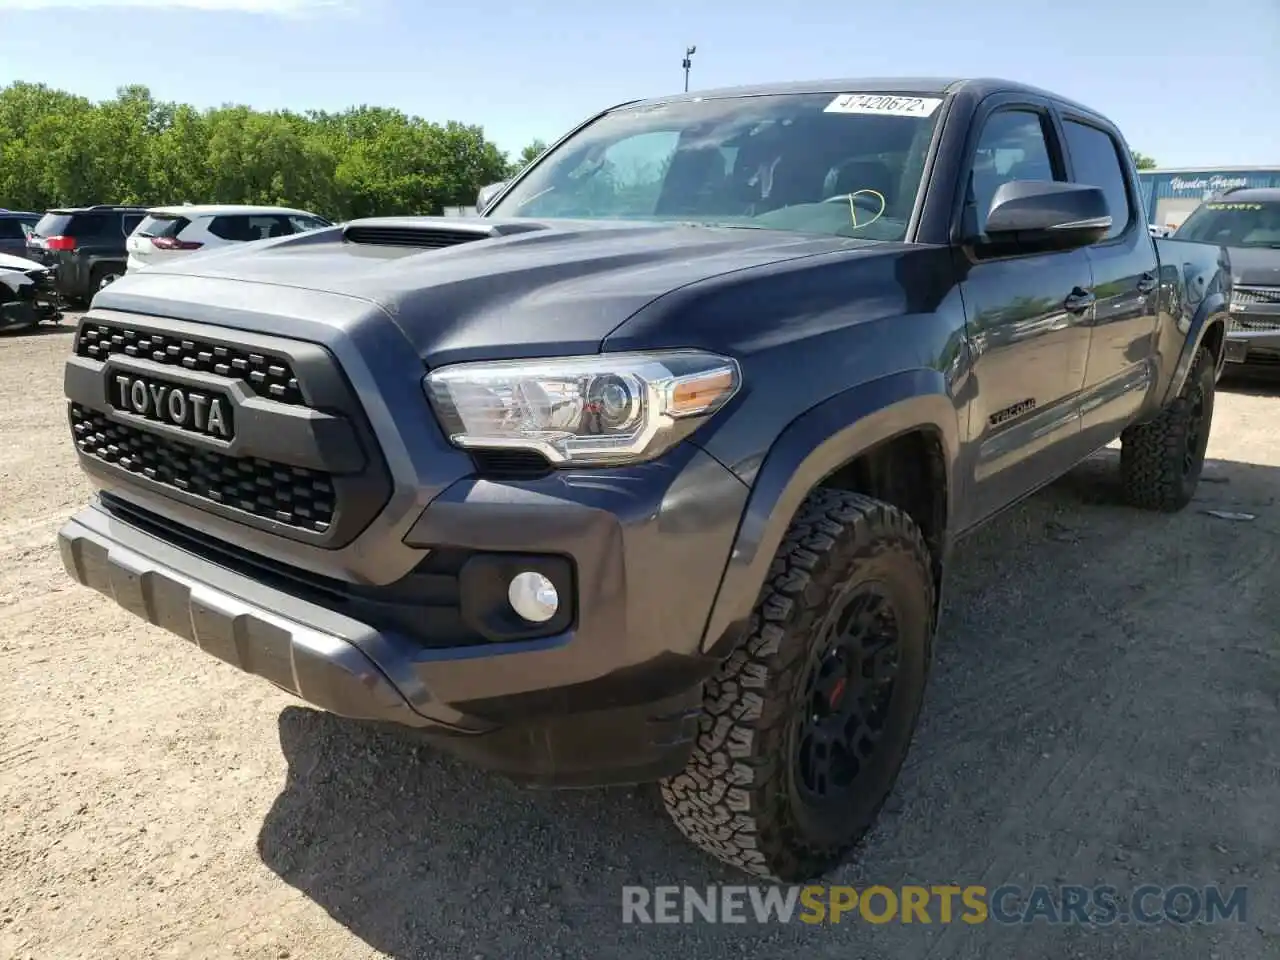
x: 886, y: 105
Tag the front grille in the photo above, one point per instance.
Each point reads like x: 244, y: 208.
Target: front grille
x: 1255, y: 296
x: 1243, y: 323
x: 295, y: 496
x: 268, y: 376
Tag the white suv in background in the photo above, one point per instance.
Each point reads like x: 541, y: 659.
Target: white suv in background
x: 168, y: 232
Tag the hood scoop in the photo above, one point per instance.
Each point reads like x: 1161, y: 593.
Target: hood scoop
x: 427, y: 233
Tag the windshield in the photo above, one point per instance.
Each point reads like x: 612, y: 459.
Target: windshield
x: 846, y: 165
x: 1234, y: 224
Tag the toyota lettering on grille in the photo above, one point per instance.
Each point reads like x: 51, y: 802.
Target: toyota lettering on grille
x: 195, y: 411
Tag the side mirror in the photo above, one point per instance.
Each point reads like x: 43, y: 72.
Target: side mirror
x: 486, y: 195
x: 1047, y: 214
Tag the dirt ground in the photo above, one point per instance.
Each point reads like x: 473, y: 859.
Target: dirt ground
x: 1105, y: 709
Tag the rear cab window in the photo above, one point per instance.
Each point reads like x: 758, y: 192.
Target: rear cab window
x: 1095, y: 162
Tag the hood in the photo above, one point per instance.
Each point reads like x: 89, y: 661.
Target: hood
x: 10, y: 262
x: 1255, y: 266
x: 460, y: 288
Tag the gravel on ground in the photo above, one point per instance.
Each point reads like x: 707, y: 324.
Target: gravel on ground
x: 1104, y: 710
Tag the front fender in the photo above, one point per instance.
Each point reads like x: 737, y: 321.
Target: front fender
x: 811, y: 448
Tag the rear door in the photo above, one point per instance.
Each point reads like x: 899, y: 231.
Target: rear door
x: 1027, y: 317
x: 1125, y: 267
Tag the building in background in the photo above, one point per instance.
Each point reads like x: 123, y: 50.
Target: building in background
x: 1170, y: 195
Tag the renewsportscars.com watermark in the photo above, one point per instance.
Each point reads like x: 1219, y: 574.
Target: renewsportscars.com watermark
x: 1009, y: 904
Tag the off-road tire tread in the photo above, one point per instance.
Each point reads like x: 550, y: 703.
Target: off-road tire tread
x: 1151, y: 453
x: 730, y: 799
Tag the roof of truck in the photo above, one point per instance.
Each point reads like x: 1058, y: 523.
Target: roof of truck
x: 911, y: 86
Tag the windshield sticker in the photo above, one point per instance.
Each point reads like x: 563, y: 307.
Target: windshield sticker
x: 1233, y: 206
x: 884, y: 105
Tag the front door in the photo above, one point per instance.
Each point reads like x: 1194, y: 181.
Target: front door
x: 1027, y: 320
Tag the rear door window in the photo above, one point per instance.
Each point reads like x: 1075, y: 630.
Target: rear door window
x: 90, y: 226
x: 1095, y: 162
x: 244, y: 228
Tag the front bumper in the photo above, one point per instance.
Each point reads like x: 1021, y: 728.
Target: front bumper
x: 36, y: 302
x: 1253, y: 338
x: 612, y: 699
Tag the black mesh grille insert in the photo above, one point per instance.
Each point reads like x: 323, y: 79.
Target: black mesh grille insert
x: 267, y: 376
x: 291, y: 495
x: 1247, y: 296
x: 411, y: 236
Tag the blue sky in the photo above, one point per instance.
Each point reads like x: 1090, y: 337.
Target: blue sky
x: 533, y: 68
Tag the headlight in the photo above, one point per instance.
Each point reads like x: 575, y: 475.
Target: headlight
x: 610, y: 408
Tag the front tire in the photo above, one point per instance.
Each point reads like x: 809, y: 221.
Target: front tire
x: 1161, y: 460
x: 806, y: 725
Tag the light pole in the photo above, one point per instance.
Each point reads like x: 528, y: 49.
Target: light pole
x: 687, y: 63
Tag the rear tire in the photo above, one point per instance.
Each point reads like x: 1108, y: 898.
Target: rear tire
x: 806, y: 725
x: 1161, y: 461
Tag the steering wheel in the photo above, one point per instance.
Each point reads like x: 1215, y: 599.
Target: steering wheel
x: 871, y: 200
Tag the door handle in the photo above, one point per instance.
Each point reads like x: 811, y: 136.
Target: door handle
x: 1079, y: 301
x: 1146, y: 283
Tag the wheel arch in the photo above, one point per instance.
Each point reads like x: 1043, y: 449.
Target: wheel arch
x: 862, y: 440
x: 1207, y: 328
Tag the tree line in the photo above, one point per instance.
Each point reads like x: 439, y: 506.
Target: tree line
x: 60, y: 149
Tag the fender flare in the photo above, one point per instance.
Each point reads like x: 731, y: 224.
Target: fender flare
x: 1211, y: 312
x: 811, y: 448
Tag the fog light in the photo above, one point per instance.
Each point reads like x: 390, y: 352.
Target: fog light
x: 533, y: 596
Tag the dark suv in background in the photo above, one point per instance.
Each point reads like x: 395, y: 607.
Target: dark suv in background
x: 86, y: 244
x: 14, y: 226
x: 1246, y: 221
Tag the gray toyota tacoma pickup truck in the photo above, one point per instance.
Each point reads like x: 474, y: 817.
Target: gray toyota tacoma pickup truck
x: 652, y: 471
